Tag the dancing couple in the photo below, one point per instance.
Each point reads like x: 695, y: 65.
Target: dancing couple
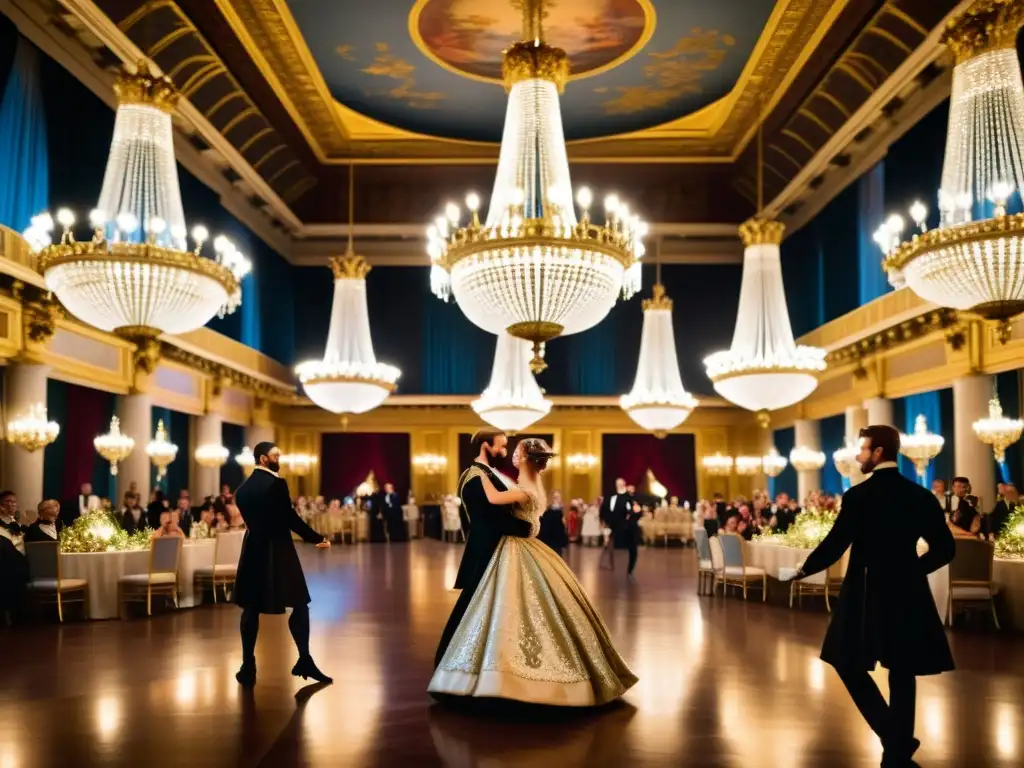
x: 523, y: 628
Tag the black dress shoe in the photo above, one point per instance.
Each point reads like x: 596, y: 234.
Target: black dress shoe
x: 306, y: 669
x: 900, y: 757
x: 246, y: 676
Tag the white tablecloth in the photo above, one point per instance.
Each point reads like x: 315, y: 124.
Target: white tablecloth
x: 103, y: 570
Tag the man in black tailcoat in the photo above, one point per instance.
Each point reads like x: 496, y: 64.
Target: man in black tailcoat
x: 269, y: 577
x: 389, y: 506
x: 621, y: 513
x: 886, y: 613
x: 488, y: 523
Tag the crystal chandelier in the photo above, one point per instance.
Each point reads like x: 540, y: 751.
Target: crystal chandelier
x: 845, y: 459
x: 658, y: 401
x: 161, y: 451
x: 211, y: 455
x: 348, y: 379
x: 975, y: 259
x: 772, y: 463
x: 246, y: 460
x: 137, y: 275
x: 430, y: 463
x: 298, y: 464
x: 113, y: 446
x: 532, y: 267
x: 513, y: 400
x: 746, y: 466
x: 581, y: 463
x: 33, y: 430
x: 717, y: 465
x: 997, y: 430
x: 806, y: 459
x: 922, y: 446
x: 764, y: 369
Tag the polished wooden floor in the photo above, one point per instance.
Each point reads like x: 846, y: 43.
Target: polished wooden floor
x: 722, y: 683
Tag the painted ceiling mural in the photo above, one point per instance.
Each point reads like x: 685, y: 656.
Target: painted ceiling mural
x: 434, y: 66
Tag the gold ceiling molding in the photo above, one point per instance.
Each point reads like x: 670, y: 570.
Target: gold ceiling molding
x: 223, y: 373
x: 914, y: 329
x: 336, y: 134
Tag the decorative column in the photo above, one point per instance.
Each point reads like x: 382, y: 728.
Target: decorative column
x: 24, y: 386
x: 208, y: 430
x: 971, y: 457
x: 879, y: 411
x: 856, y: 420
x: 136, y: 414
x: 807, y: 434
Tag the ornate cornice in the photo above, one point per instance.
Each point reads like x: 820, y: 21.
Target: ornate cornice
x: 896, y: 336
x: 222, y: 373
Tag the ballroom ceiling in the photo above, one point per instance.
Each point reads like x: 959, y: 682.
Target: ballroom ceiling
x: 434, y: 66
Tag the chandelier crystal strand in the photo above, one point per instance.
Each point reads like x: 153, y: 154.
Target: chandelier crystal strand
x: 348, y: 379
x: 114, y: 446
x: 137, y: 275
x: 513, y: 400
x: 533, y: 266
x: 972, y: 263
x: 32, y: 430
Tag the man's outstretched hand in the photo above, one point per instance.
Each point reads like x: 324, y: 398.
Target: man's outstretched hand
x: 791, y: 576
x: 325, y: 544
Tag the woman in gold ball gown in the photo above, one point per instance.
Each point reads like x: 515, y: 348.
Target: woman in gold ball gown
x: 530, y: 632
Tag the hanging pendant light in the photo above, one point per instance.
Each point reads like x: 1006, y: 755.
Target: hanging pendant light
x: 531, y: 267
x: 997, y: 430
x: 972, y: 263
x: 658, y: 401
x: 114, y: 446
x: 348, y: 379
x: 718, y: 465
x: 922, y: 446
x: 246, y: 460
x: 806, y: 459
x: 764, y: 369
x: 161, y: 451
x: 137, y: 275
x: 773, y: 463
x: 513, y: 400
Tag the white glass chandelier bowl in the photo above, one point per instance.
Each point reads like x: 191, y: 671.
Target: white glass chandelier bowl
x: 998, y: 430
x: 806, y: 459
x: 513, y: 400
x: 114, y: 446
x: 764, y: 369
x: 773, y: 463
x: 348, y: 379
x: 748, y: 465
x: 137, y: 274
x: 658, y: 401
x: 211, y: 455
x: 161, y: 451
x: 717, y: 465
x: 845, y: 460
x: 921, y: 446
x: 975, y: 259
x: 246, y: 460
x: 533, y: 267
x: 32, y: 430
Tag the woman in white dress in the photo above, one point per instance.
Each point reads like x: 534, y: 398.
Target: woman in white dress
x: 530, y: 632
x: 591, y: 533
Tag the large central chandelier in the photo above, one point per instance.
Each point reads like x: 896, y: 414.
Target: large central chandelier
x: 533, y: 267
x: 764, y: 369
x: 348, y: 379
x: 975, y: 259
x: 138, y: 275
x: 513, y: 400
x: 658, y: 401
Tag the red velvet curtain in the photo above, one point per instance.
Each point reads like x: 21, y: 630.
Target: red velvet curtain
x: 348, y: 457
x: 467, y: 454
x: 88, y: 416
x: 672, y: 460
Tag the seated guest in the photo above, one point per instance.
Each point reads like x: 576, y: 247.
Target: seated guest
x: 959, y: 506
x: 552, y: 525
x: 157, y: 506
x: 939, y: 490
x: 47, y: 526
x: 745, y: 525
x: 85, y: 501
x: 732, y: 524
x: 708, y: 515
x: 168, y: 526
x: 132, y: 516
x: 9, y: 513
x: 782, y: 515
x: 13, y: 577
x: 220, y: 517
x: 1002, y: 511
x: 184, y: 511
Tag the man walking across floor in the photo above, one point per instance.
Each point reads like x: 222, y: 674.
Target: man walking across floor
x: 886, y: 613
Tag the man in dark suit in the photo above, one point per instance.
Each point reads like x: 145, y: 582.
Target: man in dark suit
x: 961, y: 508
x: 9, y: 513
x: 993, y: 525
x: 84, y: 502
x: 389, y: 506
x: 886, y: 613
x: 552, y: 525
x: 269, y: 577
x: 621, y: 513
x: 47, y: 526
x: 489, y: 523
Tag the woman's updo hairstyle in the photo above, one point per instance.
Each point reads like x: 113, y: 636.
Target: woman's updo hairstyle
x: 538, y: 453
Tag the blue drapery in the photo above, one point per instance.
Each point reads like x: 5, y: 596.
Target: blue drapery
x: 833, y: 437
x: 24, y: 154
x: 456, y: 355
x: 871, y: 212
x: 803, y: 274
x: 784, y: 440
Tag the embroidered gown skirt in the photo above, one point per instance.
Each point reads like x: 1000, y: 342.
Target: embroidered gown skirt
x: 531, y: 634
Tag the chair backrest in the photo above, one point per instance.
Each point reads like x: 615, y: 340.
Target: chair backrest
x: 972, y: 561
x: 732, y: 549
x: 163, y: 555
x: 43, y: 559
x: 703, y: 547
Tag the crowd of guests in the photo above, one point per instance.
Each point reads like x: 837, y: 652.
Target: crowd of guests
x: 215, y: 514
x: 386, y: 515
x: 965, y: 514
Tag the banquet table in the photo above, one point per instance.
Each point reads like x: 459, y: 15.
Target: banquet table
x: 103, y: 570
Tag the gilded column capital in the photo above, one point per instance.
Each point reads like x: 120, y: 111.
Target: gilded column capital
x: 39, y: 313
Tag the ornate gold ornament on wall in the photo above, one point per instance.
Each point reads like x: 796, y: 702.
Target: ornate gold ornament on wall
x: 259, y: 387
x: 39, y: 313
x: 942, y: 319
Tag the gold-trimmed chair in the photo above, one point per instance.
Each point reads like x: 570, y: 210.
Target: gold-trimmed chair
x: 45, y: 577
x: 827, y: 583
x: 217, y: 573
x: 160, y: 579
x: 705, y: 562
x: 735, y: 570
x: 970, y: 577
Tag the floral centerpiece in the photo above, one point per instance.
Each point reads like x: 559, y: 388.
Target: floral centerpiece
x: 201, y: 530
x: 1010, y: 543
x: 99, y: 530
x: 808, y: 530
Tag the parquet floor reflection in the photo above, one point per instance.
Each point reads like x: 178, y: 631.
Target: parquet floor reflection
x: 722, y: 683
